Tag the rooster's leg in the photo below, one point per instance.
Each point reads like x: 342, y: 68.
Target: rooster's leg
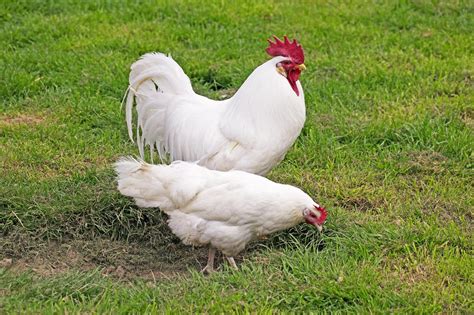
x: 232, y: 263
x: 210, y: 261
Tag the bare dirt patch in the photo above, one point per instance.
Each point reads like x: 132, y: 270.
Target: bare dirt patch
x: 467, y: 117
x: 421, y: 163
x: 356, y: 203
x: 411, y: 269
x: 427, y: 157
x: 447, y: 211
x: 117, y: 259
x: 21, y: 119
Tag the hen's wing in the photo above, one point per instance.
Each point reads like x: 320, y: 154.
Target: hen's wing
x: 189, y: 187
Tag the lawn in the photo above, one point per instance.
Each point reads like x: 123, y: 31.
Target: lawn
x: 387, y: 148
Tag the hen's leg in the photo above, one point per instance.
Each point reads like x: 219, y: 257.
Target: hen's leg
x: 232, y: 263
x: 210, y: 261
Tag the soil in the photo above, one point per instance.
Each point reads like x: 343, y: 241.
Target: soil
x: 20, y: 120
x: 117, y: 259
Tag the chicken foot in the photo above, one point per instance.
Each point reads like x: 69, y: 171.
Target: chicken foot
x: 232, y: 263
x: 210, y: 261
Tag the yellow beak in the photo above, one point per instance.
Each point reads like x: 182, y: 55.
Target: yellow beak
x: 301, y: 67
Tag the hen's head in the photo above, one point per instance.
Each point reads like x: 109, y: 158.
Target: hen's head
x: 315, y: 216
x: 293, y: 63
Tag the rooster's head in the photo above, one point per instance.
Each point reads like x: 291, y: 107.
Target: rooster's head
x: 293, y: 64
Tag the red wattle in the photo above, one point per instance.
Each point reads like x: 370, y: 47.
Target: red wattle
x: 292, y: 76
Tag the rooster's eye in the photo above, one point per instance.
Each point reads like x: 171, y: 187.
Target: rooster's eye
x: 283, y: 63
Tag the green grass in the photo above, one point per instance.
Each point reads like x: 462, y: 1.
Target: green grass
x: 387, y: 148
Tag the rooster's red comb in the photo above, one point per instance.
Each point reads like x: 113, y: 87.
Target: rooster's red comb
x: 286, y: 48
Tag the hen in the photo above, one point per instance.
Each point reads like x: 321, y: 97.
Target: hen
x: 251, y: 131
x: 224, y: 210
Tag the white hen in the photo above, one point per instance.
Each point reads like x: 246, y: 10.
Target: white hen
x: 251, y: 131
x: 224, y: 210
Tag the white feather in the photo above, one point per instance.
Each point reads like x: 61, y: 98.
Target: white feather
x: 251, y: 131
x: 207, y: 207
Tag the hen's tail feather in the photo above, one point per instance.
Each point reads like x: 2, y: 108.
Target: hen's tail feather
x: 139, y: 180
x: 154, y: 78
x: 166, y: 186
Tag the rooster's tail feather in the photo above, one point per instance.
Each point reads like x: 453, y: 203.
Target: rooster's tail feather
x: 154, y: 80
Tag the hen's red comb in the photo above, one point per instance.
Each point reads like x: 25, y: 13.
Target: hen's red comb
x: 286, y: 48
x: 323, y: 216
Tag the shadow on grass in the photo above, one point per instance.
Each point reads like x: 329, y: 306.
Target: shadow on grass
x: 110, y: 233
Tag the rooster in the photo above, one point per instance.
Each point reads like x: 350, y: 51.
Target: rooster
x: 224, y: 210
x: 251, y: 131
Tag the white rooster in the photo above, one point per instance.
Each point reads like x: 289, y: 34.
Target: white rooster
x: 251, y: 131
x: 224, y: 210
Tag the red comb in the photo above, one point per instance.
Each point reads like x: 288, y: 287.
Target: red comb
x: 323, y: 216
x: 286, y: 48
